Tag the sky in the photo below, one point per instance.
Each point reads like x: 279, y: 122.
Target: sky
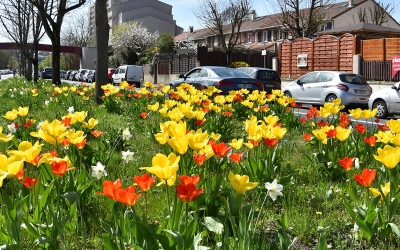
x: 182, y: 11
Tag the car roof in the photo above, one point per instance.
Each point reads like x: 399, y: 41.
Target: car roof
x: 256, y: 68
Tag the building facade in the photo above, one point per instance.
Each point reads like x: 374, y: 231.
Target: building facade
x: 153, y: 14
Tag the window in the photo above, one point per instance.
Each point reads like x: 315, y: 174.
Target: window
x: 210, y: 41
x: 309, y: 78
x: 267, y: 36
x: 259, y: 36
x: 325, y: 77
x: 275, y: 36
x: 249, y: 37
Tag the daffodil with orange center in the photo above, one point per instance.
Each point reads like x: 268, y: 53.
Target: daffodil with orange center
x: 241, y: 183
x: 164, y: 167
x: 388, y: 156
x: 52, y: 133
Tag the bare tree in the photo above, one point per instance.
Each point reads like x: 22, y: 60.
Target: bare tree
x: 52, y: 15
x: 301, y: 18
x: 23, y: 26
x: 224, y: 19
x: 102, y: 36
x: 378, y: 14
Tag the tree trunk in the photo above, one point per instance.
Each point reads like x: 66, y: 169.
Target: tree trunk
x: 102, y: 30
x: 56, y: 55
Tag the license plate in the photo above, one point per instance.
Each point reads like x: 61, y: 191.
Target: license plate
x: 362, y: 92
x: 269, y: 85
x: 245, y: 86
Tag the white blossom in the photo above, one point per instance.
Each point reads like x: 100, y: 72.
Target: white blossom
x: 127, y: 156
x: 99, y: 171
x: 39, y: 125
x: 46, y: 102
x: 71, y: 110
x: 12, y: 96
x: 357, y: 163
x: 126, y: 134
x: 11, y: 128
x: 274, y: 189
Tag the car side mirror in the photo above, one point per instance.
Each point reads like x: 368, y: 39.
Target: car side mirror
x: 299, y: 82
x: 181, y: 76
x: 395, y: 88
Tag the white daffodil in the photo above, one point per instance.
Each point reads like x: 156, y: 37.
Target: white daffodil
x: 11, y: 128
x: 127, y: 156
x: 126, y: 134
x: 99, y: 171
x: 274, y: 189
x: 71, y: 110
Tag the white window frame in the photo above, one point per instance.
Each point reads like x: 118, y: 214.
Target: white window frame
x: 249, y: 37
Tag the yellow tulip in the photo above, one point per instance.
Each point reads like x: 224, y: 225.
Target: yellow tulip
x: 215, y: 136
x: 174, y: 129
x: 80, y: 116
x: 154, y: 107
x: 23, y: 111
x: 3, y: 175
x: 75, y: 137
x: 356, y: 113
x: 11, y: 165
x: 161, y: 137
x: 27, y: 151
x: 197, y: 139
x: 385, y: 137
x: 52, y: 133
x: 236, y: 144
x: 279, y: 132
x: 324, y: 112
x: 4, y: 137
x: 180, y: 144
x: 271, y: 119
x: 367, y: 113
x: 249, y: 145
x: 388, y: 156
x: 11, y: 115
x: 241, y: 183
x: 164, y: 167
x: 170, y: 104
x: 321, y: 135
x: 342, y: 133
x: 394, y: 125
x: 175, y: 115
x: 90, y: 124
x: 385, y: 189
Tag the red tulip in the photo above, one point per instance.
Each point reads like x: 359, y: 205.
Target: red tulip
x: 220, y: 149
x: 96, y: 133
x: 360, y: 128
x: 144, y: 182
x: 331, y: 133
x: 20, y: 175
x: 185, y: 180
x: 81, y: 144
x: 59, y: 168
x: 29, y: 182
x: 127, y: 196
x: 366, y: 178
x: 236, y: 157
x: 346, y: 162
x: 199, y: 159
x: 143, y: 115
x: 307, y: 137
x: 370, y: 140
x: 110, y: 189
x: 270, y: 142
x: 188, y: 193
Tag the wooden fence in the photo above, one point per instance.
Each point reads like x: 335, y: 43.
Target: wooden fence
x: 324, y: 53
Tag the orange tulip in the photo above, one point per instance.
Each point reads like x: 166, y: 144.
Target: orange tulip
x: 331, y: 133
x: 110, y: 189
x: 96, y: 133
x: 220, y: 149
x: 370, y: 140
x: 81, y: 144
x: 236, y: 157
x: 127, y: 196
x: 188, y: 193
x: 270, y: 142
x: 199, y: 158
x: 144, y: 182
x: 346, y: 162
x: 360, y: 128
x: 143, y: 115
x: 65, y: 142
x: 20, y: 175
x: 29, y: 182
x: 59, y: 168
x: 185, y: 180
x: 366, y: 178
x: 307, y: 137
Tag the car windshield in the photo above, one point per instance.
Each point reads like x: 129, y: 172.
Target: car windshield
x: 353, y: 79
x: 266, y: 74
x: 230, y: 72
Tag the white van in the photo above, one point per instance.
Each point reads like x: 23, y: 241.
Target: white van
x: 131, y: 73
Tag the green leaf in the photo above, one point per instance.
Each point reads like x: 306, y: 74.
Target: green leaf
x: 214, y: 225
x: 328, y: 194
x: 8, y: 246
x: 322, y: 244
x: 31, y: 228
x: 350, y: 210
x: 393, y: 208
x: 395, y: 229
x: 70, y: 197
x: 178, y: 238
x: 108, y: 244
x: 365, y: 229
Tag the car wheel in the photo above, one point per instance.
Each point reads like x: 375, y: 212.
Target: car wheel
x: 287, y: 94
x: 331, y: 98
x: 381, y: 107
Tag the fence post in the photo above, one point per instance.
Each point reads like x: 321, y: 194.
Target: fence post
x: 357, y: 64
x: 275, y: 64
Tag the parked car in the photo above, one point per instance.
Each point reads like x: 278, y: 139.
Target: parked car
x: 67, y: 74
x: 79, y: 75
x: 92, y: 77
x: 111, y: 71
x: 386, y: 101
x: 72, y: 75
x: 223, y: 78
x: 84, y: 77
x: 133, y: 74
x: 62, y: 73
x: 47, y: 73
x: 318, y: 87
x: 268, y: 77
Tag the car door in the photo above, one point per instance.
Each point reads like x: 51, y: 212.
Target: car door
x: 394, y: 100
x: 200, y: 79
x: 119, y: 75
x: 301, y: 92
x: 320, y: 89
x: 192, y: 76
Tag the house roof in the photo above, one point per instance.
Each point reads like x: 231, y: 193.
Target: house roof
x: 361, y: 28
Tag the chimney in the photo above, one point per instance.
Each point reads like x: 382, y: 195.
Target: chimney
x: 253, y: 15
x: 190, y: 29
x: 351, y: 3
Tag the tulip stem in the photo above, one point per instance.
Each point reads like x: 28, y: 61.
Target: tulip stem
x: 145, y: 204
x: 169, y: 208
x: 187, y: 215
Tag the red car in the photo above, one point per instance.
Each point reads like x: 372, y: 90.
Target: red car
x: 110, y: 73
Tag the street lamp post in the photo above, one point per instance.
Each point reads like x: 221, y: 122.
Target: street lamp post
x: 264, y: 54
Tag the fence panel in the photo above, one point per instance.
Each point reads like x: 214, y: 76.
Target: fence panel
x: 378, y: 70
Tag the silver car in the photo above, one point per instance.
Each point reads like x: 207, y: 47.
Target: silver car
x: 386, y: 101
x: 318, y: 87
